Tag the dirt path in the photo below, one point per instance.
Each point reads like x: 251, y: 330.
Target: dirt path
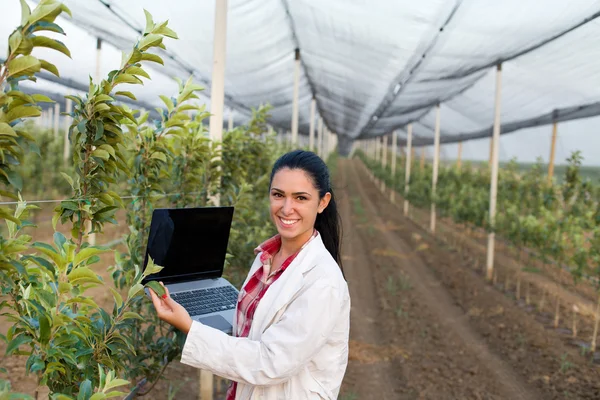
x: 495, y: 379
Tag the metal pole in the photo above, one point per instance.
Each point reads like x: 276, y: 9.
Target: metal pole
x: 422, y: 163
x: 217, y: 101
x: 552, y: 153
x: 436, y: 162
x: 459, y: 158
x: 494, y: 180
x: 384, y: 149
x: 408, y: 165
x: 394, y: 160
x: 311, y: 129
x: 296, y: 94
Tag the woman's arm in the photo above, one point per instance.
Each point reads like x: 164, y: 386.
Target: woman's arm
x: 284, y: 348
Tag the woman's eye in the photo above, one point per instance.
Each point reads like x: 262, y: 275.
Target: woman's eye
x: 301, y: 198
x: 277, y: 195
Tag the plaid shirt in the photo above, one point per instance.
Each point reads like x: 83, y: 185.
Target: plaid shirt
x: 257, y: 286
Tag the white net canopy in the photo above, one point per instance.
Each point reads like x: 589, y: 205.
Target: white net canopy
x: 372, y: 66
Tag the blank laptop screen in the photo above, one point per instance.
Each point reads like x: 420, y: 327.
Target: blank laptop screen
x: 190, y: 243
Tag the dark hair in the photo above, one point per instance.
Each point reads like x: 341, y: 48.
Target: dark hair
x: 328, y: 222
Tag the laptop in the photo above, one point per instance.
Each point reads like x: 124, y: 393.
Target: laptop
x: 191, y: 244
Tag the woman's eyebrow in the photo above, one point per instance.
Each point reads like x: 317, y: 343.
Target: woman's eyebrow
x: 293, y: 194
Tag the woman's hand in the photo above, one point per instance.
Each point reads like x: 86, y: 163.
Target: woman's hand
x: 170, y: 311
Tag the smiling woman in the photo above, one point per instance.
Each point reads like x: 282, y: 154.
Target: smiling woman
x: 290, y: 334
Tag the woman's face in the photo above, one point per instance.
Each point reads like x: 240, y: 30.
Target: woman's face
x: 295, y: 204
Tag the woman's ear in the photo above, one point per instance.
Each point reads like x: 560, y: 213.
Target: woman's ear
x: 324, y: 202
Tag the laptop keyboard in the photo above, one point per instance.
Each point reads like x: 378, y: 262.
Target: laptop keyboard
x: 205, y: 301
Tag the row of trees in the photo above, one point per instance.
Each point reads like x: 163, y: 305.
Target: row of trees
x: 75, y: 347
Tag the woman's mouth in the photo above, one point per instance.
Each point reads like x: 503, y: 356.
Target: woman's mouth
x: 288, y: 222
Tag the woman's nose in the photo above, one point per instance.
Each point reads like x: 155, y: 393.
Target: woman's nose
x: 287, y: 206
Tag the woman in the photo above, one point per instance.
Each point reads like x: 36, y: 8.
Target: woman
x: 290, y: 334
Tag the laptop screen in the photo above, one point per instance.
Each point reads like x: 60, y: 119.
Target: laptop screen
x: 190, y: 243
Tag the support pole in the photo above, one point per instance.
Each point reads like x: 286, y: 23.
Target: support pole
x: 217, y: 101
x: 311, y: 129
x: 384, y: 151
x: 459, y: 158
x: 491, y: 151
x: 66, y: 144
x: 436, y: 162
x: 56, y: 119
x: 552, y: 153
x: 394, y: 161
x: 320, y: 138
x: 296, y: 94
x: 494, y: 180
x: 407, y: 170
x: 422, y: 163
x: 98, y: 63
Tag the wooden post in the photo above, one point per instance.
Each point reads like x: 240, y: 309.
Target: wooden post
x: 552, y: 153
x: 409, y: 152
x: 217, y: 102
x: 494, y: 180
x: 459, y: 159
x: 296, y: 95
x: 436, y: 163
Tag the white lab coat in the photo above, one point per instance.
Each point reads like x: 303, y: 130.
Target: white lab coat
x: 297, y: 347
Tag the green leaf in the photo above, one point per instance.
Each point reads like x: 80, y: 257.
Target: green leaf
x: 22, y: 112
x: 150, y: 40
x: 115, y: 383
x: 159, y: 156
x: 44, y: 329
x: 118, y: 298
x: 24, y: 65
x: 163, y: 29
x: 134, y: 290
x: 59, y: 240
x: 86, y: 253
x: 14, y: 41
x: 168, y: 102
x: 85, y: 390
x: 83, y: 275
x: 98, y: 396
x: 40, y: 98
x: 42, y: 41
x: 152, y: 58
x: 49, y: 67
x: 46, y: 12
x: 6, y: 130
x: 14, y: 344
x: 46, y: 26
x: 137, y: 71
x: 132, y: 315
x: 68, y: 179
x: 156, y: 287
x: 103, y: 154
x: 149, y: 22
x: 126, y: 94
x: 25, y: 12
x: 152, y: 268
x: 126, y: 78
x: 15, y: 179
